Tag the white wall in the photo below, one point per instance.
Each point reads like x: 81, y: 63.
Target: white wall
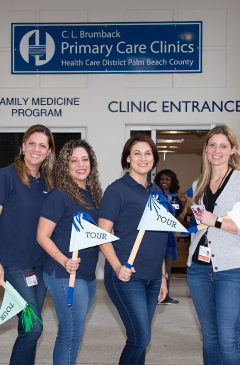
x: 220, y: 79
x: 186, y: 167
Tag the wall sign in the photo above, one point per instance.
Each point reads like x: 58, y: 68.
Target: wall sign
x: 55, y: 48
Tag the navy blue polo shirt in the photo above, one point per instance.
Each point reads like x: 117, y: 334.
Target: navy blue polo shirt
x: 19, y: 219
x: 177, y: 201
x: 123, y: 204
x: 59, y: 208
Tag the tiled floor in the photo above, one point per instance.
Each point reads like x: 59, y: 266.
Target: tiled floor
x: 176, y: 338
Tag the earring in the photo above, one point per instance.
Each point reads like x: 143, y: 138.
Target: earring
x: 47, y: 158
x: 23, y: 153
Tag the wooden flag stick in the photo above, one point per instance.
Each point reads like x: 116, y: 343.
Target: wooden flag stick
x: 72, y: 281
x: 135, y: 248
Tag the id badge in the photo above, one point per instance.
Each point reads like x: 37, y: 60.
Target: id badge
x: 204, y: 254
x: 30, y: 279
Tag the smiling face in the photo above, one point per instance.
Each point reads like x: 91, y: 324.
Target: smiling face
x: 79, y: 166
x: 165, y: 183
x: 36, y: 149
x: 218, y: 150
x: 140, y: 159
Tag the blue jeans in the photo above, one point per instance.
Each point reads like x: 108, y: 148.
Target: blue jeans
x: 24, y: 349
x: 136, y: 302
x: 71, y: 319
x: 216, y: 297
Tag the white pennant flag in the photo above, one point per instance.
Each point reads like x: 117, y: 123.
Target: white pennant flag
x: 89, y: 235
x: 156, y: 218
x: 12, y: 303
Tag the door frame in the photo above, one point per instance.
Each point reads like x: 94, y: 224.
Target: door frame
x: 164, y: 127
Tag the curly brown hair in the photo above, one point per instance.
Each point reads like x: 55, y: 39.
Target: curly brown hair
x: 62, y: 179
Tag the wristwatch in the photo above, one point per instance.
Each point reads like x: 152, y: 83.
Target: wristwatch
x: 218, y: 223
x: 165, y: 275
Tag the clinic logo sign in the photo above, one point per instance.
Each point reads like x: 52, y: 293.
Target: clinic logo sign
x: 90, y: 48
x: 33, y: 48
x: 30, y: 46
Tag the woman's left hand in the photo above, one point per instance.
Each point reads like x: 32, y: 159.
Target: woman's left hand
x: 163, y: 291
x: 207, y: 218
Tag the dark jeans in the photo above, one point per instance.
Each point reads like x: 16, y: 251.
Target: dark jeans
x: 136, y: 302
x: 216, y: 297
x: 24, y: 349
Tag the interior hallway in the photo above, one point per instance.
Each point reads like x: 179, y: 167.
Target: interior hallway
x: 176, y: 337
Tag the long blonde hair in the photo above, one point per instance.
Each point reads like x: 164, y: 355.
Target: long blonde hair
x: 234, y: 160
x: 47, y: 164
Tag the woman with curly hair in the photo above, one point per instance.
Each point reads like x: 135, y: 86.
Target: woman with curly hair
x: 76, y: 187
x: 168, y: 182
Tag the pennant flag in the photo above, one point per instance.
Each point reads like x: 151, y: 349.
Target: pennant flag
x: 85, y: 234
x: 157, y: 218
x: 12, y: 304
x: 190, y: 192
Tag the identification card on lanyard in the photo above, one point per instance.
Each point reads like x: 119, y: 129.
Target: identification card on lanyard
x: 204, y: 254
x: 30, y: 279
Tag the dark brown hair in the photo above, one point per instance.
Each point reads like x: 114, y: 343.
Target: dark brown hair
x: 138, y: 137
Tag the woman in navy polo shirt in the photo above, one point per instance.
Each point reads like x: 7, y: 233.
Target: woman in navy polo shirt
x: 168, y: 182
x: 133, y: 291
x: 23, y: 189
x: 76, y: 187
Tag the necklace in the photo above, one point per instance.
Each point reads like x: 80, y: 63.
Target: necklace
x: 222, y: 179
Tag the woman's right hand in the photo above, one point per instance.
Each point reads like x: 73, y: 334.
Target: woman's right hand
x: 71, y: 266
x: 123, y: 273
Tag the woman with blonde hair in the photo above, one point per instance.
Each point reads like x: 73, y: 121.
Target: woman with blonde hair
x: 76, y: 187
x: 214, y: 253
x: 23, y: 189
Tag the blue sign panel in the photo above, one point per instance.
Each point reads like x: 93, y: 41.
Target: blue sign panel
x: 57, y: 48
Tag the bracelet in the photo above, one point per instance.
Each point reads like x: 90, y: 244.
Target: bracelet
x: 118, y: 267
x: 165, y: 275
x: 55, y: 255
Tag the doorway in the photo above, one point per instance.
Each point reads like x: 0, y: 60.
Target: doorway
x: 180, y: 150
x: 11, y: 139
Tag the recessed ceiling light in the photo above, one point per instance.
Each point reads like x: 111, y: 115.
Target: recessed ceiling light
x: 170, y: 140
x: 166, y: 151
